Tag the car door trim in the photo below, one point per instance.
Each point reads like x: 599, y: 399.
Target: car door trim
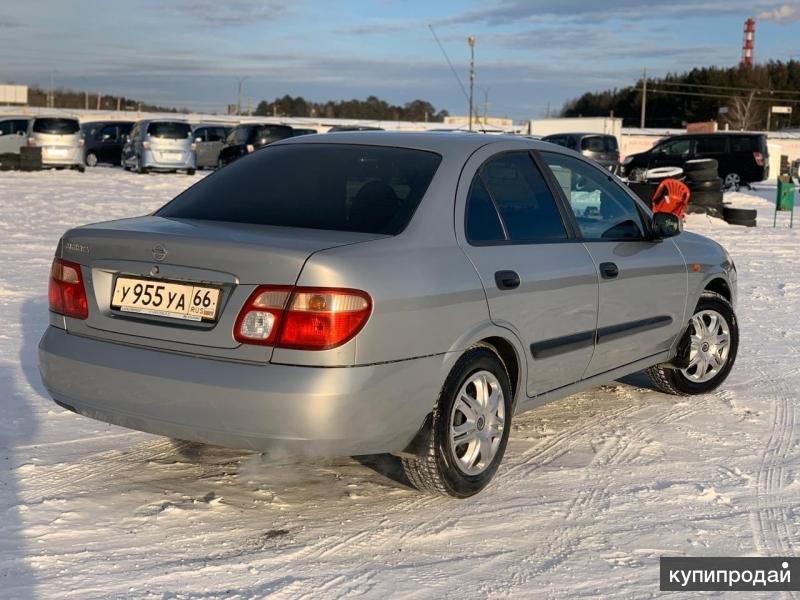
x: 562, y: 345
x: 577, y: 341
x: 615, y: 332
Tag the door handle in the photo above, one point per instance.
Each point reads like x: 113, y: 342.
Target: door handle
x: 609, y: 270
x: 506, y: 280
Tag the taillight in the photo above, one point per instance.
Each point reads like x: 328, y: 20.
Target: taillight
x: 260, y: 317
x: 302, y: 318
x: 146, y: 145
x: 81, y: 142
x: 250, y: 148
x: 194, y: 147
x: 66, y: 293
x: 31, y: 142
x: 759, y: 158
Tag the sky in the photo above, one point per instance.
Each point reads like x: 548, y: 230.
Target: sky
x: 528, y: 54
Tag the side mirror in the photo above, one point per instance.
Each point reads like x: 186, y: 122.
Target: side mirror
x: 665, y: 225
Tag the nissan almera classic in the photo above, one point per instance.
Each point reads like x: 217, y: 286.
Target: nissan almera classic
x: 363, y: 293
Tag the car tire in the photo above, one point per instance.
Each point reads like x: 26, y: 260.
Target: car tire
x: 739, y: 214
x: 711, y: 185
x: 220, y: 164
x: 190, y: 171
x: 460, y: 470
x: 91, y: 159
x: 137, y: 166
x: 732, y: 181
x: 703, y: 376
x: 702, y: 176
x: 81, y: 168
x: 712, y: 199
x: 701, y: 164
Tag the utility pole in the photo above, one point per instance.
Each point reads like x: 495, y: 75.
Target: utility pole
x: 240, y: 81
x: 52, y: 103
x: 119, y: 102
x: 86, y: 99
x: 485, y: 91
x: 471, y: 42
x: 644, y: 98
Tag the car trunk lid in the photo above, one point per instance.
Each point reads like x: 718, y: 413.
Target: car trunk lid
x: 230, y: 257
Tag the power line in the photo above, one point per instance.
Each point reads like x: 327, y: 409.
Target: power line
x: 724, y: 96
x: 727, y: 87
x: 447, y: 58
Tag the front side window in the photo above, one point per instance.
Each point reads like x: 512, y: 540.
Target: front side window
x: 603, y: 210
x: 340, y: 187
x: 676, y: 148
x: 527, y: 209
x: 19, y: 126
x: 110, y: 131
x: 744, y: 143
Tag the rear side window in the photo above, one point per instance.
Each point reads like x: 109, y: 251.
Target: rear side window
x: 712, y: 144
x: 483, y: 222
x: 341, y: 187
x: 527, y: 207
x: 169, y: 130
x: 744, y: 143
x: 56, y: 126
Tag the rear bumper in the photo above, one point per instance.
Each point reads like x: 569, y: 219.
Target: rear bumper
x: 150, y: 161
x: 288, y: 409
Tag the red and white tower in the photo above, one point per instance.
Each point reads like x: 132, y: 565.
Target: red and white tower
x: 749, y: 42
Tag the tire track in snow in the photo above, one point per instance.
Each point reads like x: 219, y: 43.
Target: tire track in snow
x: 772, y: 521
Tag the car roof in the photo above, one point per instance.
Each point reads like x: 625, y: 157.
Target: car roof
x: 432, y: 142
x: 581, y: 134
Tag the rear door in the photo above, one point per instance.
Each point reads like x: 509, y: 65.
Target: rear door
x: 540, y: 281
x: 642, y: 283
x: 108, y: 143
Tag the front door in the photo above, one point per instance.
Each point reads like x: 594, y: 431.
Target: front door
x: 540, y: 281
x: 671, y: 153
x: 643, y: 283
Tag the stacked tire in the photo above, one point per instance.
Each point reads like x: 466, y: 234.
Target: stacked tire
x: 703, y: 181
x: 30, y: 158
x: 9, y: 161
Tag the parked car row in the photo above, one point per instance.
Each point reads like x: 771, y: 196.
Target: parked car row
x: 140, y: 146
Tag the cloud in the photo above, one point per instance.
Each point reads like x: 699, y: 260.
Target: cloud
x: 785, y: 13
x: 7, y: 24
x: 510, y: 12
x: 229, y: 12
x: 377, y: 28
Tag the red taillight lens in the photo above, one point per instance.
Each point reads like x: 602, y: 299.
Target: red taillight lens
x: 302, y: 318
x: 66, y: 293
x: 194, y: 147
x: 146, y: 145
x: 31, y: 142
x: 759, y: 158
x: 260, y: 317
x: 321, y: 319
x: 81, y: 142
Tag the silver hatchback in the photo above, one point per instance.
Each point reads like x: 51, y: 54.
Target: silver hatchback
x: 367, y: 293
x: 60, y: 140
x: 160, y: 145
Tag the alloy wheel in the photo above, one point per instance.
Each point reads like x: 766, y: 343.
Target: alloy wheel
x: 477, y: 421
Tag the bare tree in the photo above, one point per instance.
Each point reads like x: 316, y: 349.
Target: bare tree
x: 744, y: 112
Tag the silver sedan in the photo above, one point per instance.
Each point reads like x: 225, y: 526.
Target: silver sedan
x: 375, y: 292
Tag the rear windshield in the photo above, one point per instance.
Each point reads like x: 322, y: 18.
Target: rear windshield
x: 271, y: 133
x: 341, y: 187
x: 172, y: 131
x: 747, y: 143
x: 599, y: 143
x: 56, y: 126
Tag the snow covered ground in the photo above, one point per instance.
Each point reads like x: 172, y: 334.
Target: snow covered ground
x: 593, y: 489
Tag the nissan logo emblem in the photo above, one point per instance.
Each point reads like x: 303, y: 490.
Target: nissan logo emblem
x: 159, y: 252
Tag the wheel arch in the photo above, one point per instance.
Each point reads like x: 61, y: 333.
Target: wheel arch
x: 720, y: 286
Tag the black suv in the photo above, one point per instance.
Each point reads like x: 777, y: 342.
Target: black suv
x: 103, y: 141
x: 743, y: 157
x: 249, y: 137
x: 600, y: 147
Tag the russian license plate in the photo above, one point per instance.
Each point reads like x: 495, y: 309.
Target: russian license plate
x: 175, y: 156
x: 57, y: 152
x: 174, y: 300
